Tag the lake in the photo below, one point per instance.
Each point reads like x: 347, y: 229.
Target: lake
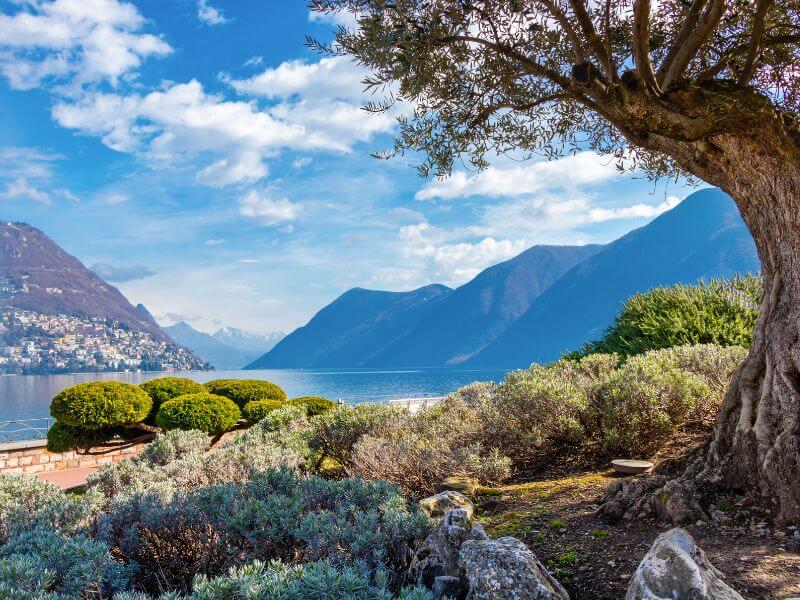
x: 28, y: 397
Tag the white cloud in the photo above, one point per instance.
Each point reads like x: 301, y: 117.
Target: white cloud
x: 208, y: 14
x: 230, y: 139
x: 214, y: 242
x: 328, y: 79
x: 581, y: 169
x: 454, y: 261
x: 637, y: 211
x: 21, y: 188
x: 301, y: 162
x: 115, y: 198
x: 74, y: 42
x: 340, y: 17
x: 249, y: 261
x: 267, y: 210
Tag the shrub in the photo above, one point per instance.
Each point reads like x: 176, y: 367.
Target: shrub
x: 337, y: 431
x: 203, y: 411
x: 255, y: 410
x: 101, y: 404
x: 61, y: 438
x: 277, y: 515
x: 242, y: 391
x: 279, y: 440
x: 299, y: 582
x: 162, y: 389
x: 73, y: 563
x: 174, y: 445
x: 316, y: 405
x: 720, y: 312
x: 642, y: 404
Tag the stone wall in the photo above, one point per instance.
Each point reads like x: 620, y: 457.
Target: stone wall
x: 31, y: 457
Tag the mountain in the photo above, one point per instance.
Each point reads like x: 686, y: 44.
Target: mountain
x: 474, y: 314
x: 37, y: 275
x: 251, y: 342
x: 353, y: 329
x: 142, y: 310
x: 703, y: 237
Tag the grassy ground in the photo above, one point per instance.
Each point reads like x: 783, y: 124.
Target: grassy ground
x: 595, y: 559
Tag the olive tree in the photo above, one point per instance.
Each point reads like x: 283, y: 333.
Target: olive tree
x: 703, y: 88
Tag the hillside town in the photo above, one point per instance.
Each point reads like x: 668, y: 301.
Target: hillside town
x: 33, y: 343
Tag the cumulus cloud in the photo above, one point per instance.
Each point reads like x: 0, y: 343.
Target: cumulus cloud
x: 74, y: 42
x: 452, y: 258
x: 21, y: 188
x: 581, y: 169
x: 208, y: 14
x: 330, y: 78
x: 228, y: 138
x: 119, y: 273
x: 267, y: 210
x: 637, y: 211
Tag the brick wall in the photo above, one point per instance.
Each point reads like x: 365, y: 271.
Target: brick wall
x: 31, y: 457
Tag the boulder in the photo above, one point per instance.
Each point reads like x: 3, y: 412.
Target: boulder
x: 440, y: 504
x: 465, y: 485
x: 505, y: 569
x: 437, y: 556
x: 675, y: 568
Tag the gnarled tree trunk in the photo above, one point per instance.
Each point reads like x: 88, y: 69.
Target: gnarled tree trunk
x: 756, y: 440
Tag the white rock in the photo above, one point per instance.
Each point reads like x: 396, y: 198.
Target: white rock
x: 505, y: 569
x: 676, y: 568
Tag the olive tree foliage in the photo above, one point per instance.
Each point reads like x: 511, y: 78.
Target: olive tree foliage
x: 708, y: 89
x: 550, y: 76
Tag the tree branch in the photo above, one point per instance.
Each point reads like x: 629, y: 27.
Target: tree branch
x: 586, y: 25
x: 756, y: 37
x: 641, y: 45
x: 687, y: 51
x: 612, y: 66
x: 493, y: 108
x: 562, y: 19
x: 732, y: 53
x: 535, y: 68
x: 686, y: 29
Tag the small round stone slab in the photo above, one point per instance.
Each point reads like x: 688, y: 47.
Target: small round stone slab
x: 631, y: 467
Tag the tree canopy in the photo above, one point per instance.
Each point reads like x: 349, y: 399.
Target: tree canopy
x: 550, y: 76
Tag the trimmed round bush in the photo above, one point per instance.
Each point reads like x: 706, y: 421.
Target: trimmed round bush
x: 315, y: 405
x: 255, y: 410
x: 166, y: 388
x: 203, y: 411
x: 61, y: 438
x: 242, y: 391
x: 101, y: 404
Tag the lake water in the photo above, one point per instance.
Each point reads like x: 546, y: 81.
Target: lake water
x: 28, y: 397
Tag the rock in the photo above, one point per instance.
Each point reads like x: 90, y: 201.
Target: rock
x: 438, y: 555
x: 446, y: 586
x: 437, y: 506
x: 676, y: 568
x: 465, y: 485
x: 505, y: 569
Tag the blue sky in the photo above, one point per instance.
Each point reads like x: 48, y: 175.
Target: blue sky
x: 199, y: 157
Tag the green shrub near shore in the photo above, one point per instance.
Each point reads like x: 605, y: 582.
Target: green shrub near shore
x: 203, y: 411
x: 242, y: 391
x: 101, y: 404
x: 315, y: 405
x: 162, y: 389
x: 255, y: 410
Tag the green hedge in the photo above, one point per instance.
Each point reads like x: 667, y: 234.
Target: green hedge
x: 255, y: 410
x: 720, y: 312
x: 203, y: 411
x: 101, y: 404
x: 315, y: 405
x: 242, y: 391
x: 61, y: 438
x: 166, y: 388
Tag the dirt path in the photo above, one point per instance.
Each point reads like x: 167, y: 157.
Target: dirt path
x: 595, y: 559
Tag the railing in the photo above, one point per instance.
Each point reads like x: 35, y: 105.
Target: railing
x: 416, y: 404
x: 24, y: 429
